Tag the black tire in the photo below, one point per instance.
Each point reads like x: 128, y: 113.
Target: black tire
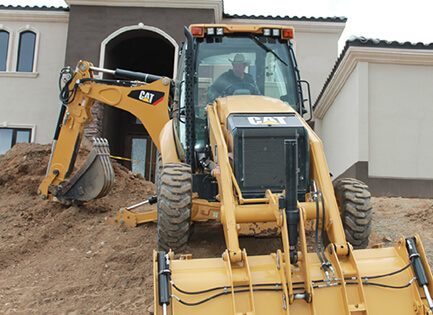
x: 354, y: 202
x: 174, y: 206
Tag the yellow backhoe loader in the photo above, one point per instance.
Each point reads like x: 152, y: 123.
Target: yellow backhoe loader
x: 234, y: 147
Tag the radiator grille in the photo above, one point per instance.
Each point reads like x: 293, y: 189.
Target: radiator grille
x: 263, y: 163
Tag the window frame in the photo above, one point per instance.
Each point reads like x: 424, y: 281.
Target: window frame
x: 27, y: 28
x: 12, y: 57
x: 16, y: 128
x: 9, y: 50
x: 22, y: 55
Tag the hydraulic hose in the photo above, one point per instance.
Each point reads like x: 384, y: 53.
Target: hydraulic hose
x: 418, y: 269
x: 291, y: 204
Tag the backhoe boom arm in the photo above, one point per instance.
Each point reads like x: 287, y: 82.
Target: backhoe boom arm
x: 147, y: 101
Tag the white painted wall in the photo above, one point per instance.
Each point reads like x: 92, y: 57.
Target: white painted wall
x: 316, y: 54
x: 378, y: 108
x: 339, y: 129
x: 401, y: 111
x: 31, y: 99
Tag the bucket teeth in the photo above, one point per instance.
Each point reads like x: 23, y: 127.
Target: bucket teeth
x: 94, y: 179
x: 104, y: 154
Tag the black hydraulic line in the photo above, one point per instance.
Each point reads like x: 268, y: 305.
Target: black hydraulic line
x: 319, y: 246
x: 277, y: 285
x: 323, y: 228
x: 322, y: 232
x: 126, y: 83
x: 385, y: 285
x: 391, y: 273
x: 145, y: 77
x: 66, y: 95
x: 291, y: 187
x: 316, y: 234
x: 224, y: 293
x: 202, y: 301
x: 367, y: 278
x: 74, y: 156
x: 59, y: 122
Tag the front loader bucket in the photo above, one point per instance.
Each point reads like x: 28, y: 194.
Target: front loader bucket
x: 94, y: 179
x: 371, y: 281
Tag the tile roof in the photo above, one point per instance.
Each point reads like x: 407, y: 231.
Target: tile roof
x: 287, y: 18
x: 374, y: 42
x: 225, y: 15
x: 368, y: 42
x: 33, y: 8
x: 279, y: 18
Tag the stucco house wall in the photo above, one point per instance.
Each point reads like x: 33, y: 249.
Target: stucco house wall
x: 342, y: 122
x: 401, y: 111
x: 374, y: 117
x: 30, y: 99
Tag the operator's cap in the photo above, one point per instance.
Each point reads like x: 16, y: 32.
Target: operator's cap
x: 239, y: 58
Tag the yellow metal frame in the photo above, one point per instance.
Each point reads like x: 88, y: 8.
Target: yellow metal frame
x: 343, y: 292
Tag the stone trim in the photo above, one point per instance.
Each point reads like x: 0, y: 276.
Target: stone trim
x: 140, y: 26
x: 34, y: 16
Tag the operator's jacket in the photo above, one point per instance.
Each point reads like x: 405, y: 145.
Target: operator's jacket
x: 227, y: 83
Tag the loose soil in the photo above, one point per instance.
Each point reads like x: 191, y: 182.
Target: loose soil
x: 57, y: 259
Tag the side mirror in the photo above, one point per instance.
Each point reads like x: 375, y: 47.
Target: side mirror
x: 306, y: 84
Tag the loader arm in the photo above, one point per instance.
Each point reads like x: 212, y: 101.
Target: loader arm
x: 147, y: 101
x: 349, y: 282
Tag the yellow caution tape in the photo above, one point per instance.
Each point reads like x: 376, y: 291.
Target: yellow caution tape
x: 126, y: 159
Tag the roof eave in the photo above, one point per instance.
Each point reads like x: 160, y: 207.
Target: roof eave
x: 392, y: 53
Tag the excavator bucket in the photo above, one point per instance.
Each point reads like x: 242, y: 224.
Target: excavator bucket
x: 369, y: 281
x: 93, y: 180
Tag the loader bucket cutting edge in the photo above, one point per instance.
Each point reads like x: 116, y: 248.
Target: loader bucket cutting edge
x: 204, y: 286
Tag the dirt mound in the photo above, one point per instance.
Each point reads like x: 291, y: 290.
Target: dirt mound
x: 57, y: 259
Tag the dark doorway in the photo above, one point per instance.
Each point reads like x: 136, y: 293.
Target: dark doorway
x: 142, y: 51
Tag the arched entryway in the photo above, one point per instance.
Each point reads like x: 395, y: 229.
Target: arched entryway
x: 144, y: 49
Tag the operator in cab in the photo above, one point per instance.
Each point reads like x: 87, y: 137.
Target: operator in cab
x: 234, y: 82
